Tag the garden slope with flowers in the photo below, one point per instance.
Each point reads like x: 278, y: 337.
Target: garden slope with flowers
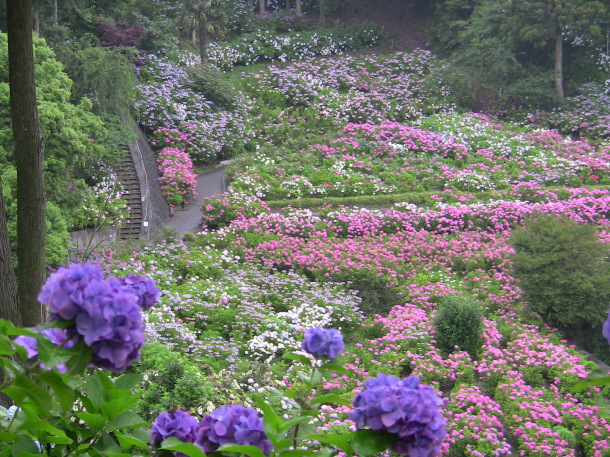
x: 237, y: 297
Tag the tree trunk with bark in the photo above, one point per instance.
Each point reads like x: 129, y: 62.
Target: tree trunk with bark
x: 194, y: 35
x: 261, y: 8
x: 29, y: 158
x: 559, y: 64
x: 322, y: 5
x: 8, y: 286
x: 36, y: 22
x: 55, y: 12
x: 299, y: 8
x: 203, y: 40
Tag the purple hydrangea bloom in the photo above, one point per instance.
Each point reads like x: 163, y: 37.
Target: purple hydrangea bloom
x: 63, y: 292
x: 321, y: 342
x: 606, y: 329
x: 143, y: 288
x: 232, y: 424
x: 106, y: 313
x: 179, y: 424
x: 57, y: 336
x: 405, y: 408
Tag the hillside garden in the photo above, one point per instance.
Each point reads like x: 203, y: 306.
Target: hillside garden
x: 466, y: 248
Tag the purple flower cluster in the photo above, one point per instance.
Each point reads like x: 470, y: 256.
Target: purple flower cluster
x: 321, y: 342
x: 106, y: 312
x: 178, y: 424
x: 59, y: 337
x: 405, y: 408
x: 144, y: 288
x: 232, y: 424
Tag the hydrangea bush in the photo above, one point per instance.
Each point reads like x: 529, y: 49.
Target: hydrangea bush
x: 177, y: 178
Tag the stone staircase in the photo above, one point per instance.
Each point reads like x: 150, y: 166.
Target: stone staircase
x: 131, y: 192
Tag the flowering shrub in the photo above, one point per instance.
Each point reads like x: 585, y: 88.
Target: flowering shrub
x: 219, y: 211
x: 321, y: 342
x: 178, y: 180
x: 265, y: 44
x: 404, y: 408
x: 102, y: 205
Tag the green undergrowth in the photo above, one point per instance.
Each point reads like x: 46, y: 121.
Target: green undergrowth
x: 417, y: 198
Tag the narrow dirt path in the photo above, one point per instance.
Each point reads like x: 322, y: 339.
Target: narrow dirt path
x: 187, y: 220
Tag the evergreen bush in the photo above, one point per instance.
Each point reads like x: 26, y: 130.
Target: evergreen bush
x: 459, y: 324
x: 562, y: 268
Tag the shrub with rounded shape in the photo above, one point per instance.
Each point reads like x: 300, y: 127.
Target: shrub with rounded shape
x: 459, y: 325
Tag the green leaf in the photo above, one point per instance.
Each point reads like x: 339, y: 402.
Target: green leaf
x: 127, y: 381
x: 368, y: 443
x: 597, y: 379
x: 24, y: 445
x: 342, y: 442
x: 95, y: 421
x: 95, y: 391
x: 331, y: 398
x: 8, y: 437
x: 45, y: 427
x: 78, y: 363
x: 251, y: 451
x: 298, y: 358
x: 299, y: 420
x: 23, y: 387
x: 6, y: 348
x: 50, y: 354
x: 118, y: 406
x: 331, y: 366
x: 128, y: 441
x: 64, y: 393
x: 126, y: 420
x: 271, y: 418
x: 174, y: 444
x: 298, y: 453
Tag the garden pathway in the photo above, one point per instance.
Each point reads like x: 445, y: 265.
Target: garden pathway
x: 187, y: 220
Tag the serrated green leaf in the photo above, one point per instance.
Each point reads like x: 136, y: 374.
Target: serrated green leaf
x: 126, y: 420
x: 50, y: 354
x: 342, y: 442
x: 95, y: 421
x: 127, y: 381
x: 331, y: 366
x: 298, y: 453
x: 174, y: 444
x: 368, y: 443
x: 78, y: 363
x: 43, y: 426
x: 298, y: 358
x: 128, y: 441
x: 291, y: 423
x: 118, y: 406
x: 64, y: 393
x: 95, y: 391
x: 24, y: 445
x: 22, y: 388
x: 331, y: 398
x: 251, y: 451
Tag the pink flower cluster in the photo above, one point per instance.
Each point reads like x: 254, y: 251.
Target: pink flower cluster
x: 178, y: 180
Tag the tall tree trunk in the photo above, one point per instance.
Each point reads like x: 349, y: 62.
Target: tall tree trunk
x: 194, y: 35
x: 559, y: 64
x: 8, y: 286
x: 36, y: 22
x: 55, y: 12
x: 287, y: 4
x: 322, y: 4
x: 29, y: 158
x: 261, y: 7
x: 203, y: 40
x: 299, y: 9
